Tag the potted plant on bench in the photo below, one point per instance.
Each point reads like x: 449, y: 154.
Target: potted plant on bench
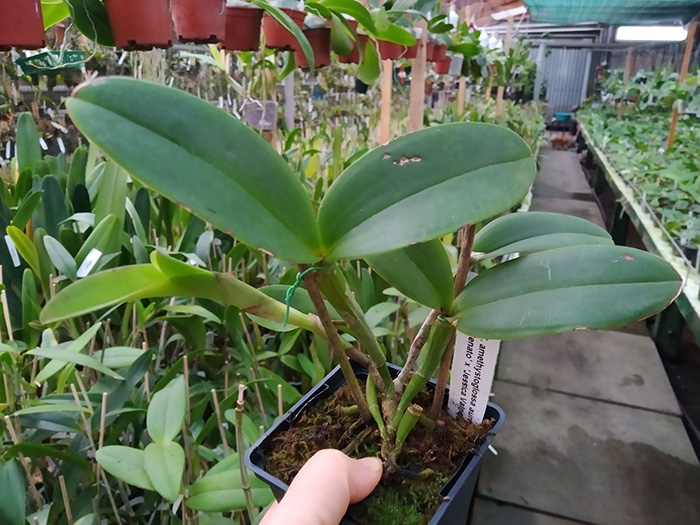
x: 390, y: 207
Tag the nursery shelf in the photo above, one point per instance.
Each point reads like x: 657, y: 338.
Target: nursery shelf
x: 655, y: 238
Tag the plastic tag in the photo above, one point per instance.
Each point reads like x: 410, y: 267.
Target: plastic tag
x: 61, y: 145
x: 13, y: 250
x: 58, y: 127
x: 473, y: 368
x: 89, y: 262
x: 43, y: 144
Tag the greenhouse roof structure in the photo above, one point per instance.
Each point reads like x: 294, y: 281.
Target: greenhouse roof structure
x: 613, y: 12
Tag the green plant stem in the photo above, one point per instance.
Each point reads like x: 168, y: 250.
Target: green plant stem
x: 427, y: 364
x: 408, y: 422
x: 336, y: 345
x: 336, y: 290
x: 245, y: 482
x: 467, y: 234
x: 371, y: 391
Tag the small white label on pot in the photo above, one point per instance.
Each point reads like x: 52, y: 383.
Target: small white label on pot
x: 473, y: 368
x: 61, y: 145
x: 89, y: 262
x: 13, y: 250
x: 60, y: 128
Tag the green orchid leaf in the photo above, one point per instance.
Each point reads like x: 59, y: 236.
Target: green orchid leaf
x: 195, y: 156
x: 27, y: 145
x: 118, y: 357
x: 351, y: 8
x: 53, y: 12
x: 164, y: 463
x: 582, y: 287
x: 166, y: 412
x: 536, y: 232
x: 396, y: 34
x: 368, y: 71
x: 65, y: 355
x: 90, y: 17
x: 126, y: 464
x: 421, y: 272
x: 223, y: 492
x: 25, y: 247
x: 284, y: 20
x: 422, y: 186
x: 61, y: 259
x: 26, y: 208
x: 12, y: 488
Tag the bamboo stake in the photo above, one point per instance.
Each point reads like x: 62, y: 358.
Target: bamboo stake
x: 506, y: 48
x: 15, y: 435
x: 147, y: 387
x: 186, y: 369
x: 103, y: 414
x: 66, y: 501
x: 385, y: 113
x: 280, y: 404
x: 245, y: 482
x: 416, y: 104
x: 685, y: 65
x: 6, y: 313
x: 227, y: 451
x: 261, y: 405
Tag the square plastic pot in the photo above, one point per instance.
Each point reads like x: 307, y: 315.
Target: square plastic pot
x: 21, y: 25
x: 199, y: 21
x: 242, y: 28
x: 138, y: 25
x: 261, y: 115
x: 458, y: 491
x: 277, y: 36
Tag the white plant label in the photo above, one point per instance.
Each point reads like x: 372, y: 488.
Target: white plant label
x: 13, y: 250
x: 89, y: 262
x: 61, y: 145
x: 473, y: 368
x: 43, y: 144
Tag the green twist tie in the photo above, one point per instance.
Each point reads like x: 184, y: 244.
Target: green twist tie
x: 290, y: 291
x: 442, y: 319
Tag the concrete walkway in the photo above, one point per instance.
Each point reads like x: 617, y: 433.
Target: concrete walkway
x: 593, y: 431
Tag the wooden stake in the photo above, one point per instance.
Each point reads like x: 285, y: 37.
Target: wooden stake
x: 385, y: 113
x: 227, y: 451
x: 6, y: 313
x: 506, y: 48
x: 147, y: 387
x: 15, y: 435
x: 416, y: 104
x: 103, y: 413
x: 690, y: 41
x: 66, y: 501
x: 84, y: 393
x: 186, y: 369
x: 280, y: 404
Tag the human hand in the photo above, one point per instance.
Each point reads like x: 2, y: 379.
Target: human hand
x: 323, y: 489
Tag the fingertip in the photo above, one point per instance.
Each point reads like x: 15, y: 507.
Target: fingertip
x: 364, y: 478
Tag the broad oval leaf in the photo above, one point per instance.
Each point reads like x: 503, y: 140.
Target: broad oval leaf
x: 583, y: 287
x: 90, y: 17
x: 421, y: 272
x: 166, y: 412
x: 26, y: 208
x: 222, y: 492
x: 25, y: 247
x: 28, y: 150
x: 202, y: 158
x: 164, y: 463
x: 60, y: 257
x: 12, y: 488
x: 422, y: 186
x: 126, y: 464
x: 536, y: 232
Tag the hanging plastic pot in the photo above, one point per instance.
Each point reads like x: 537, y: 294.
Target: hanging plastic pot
x: 411, y: 52
x: 242, y: 28
x: 442, y: 67
x: 199, y: 21
x: 277, y: 36
x: 140, y: 25
x: 354, y: 56
x: 439, y: 52
x: 320, y: 40
x: 21, y: 25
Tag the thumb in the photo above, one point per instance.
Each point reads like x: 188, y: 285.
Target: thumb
x: 323, y: 489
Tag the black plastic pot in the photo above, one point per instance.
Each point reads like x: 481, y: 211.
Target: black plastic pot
x: 458, y: 491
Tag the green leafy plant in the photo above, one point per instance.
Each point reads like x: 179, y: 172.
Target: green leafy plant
x: 388, y: 207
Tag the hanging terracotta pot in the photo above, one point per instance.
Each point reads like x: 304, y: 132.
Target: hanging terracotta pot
x: 430, y: 51
x: 320, y: 40
x: 276, y: 36
x: 242, y: 28
x: 439, y: 52
x: 442, y: 67
x: 390, y: 50
x: 21, y: 25
x: 199, y: 21
x: 411, y: 52
x: 354, y: 56
x: 140, y: 25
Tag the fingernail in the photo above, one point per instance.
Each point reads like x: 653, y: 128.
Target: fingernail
x: 375, y: 465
